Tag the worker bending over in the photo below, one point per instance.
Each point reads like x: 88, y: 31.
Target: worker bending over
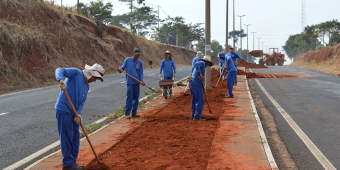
x: 77, y: 86
x: 222, y: 64
x: 196, y: 87
x: 234, y: 57
x: 168, y: 67
x: 134, y: 67
x: 199, y: 55
x: 230, y: 66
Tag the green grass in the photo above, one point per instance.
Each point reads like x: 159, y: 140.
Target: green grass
x: 121, y: 34
x: 117, y: 114
x: 91, y: 128
x: 262, y: 142
x: 252, y: 113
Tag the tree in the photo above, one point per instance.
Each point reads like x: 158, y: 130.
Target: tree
x: 130, y: 3
x: 216, y: 48
x: 323, y: 29
x: 187, y: 33
x: 238, y: 34
x: 99, y: 11
x: 300, y: 43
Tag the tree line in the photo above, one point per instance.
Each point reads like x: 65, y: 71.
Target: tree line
x: 314, y: 37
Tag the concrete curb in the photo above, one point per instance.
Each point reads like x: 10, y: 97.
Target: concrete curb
x: 266, y: 147
x: 46, y: 149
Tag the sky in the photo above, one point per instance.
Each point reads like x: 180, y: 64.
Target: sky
x: 272, y: 20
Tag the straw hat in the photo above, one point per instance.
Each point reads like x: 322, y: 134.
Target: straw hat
x: 208, y: 58
x: 167, y: 52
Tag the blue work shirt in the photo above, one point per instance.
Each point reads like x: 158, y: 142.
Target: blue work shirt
x: 77, y: 89
x: 234, y: 56
x: 169, y: 67
x: 200, y: 66
x: 193, y: 63
x: 222, y: 62
x: 134, y: 68
x: 231, y: 66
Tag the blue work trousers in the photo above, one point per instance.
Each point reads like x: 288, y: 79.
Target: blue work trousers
x: 132, y: 98
x: 197, y: 100
x: 230, y: 83
x: 235, y: 80
x: 69, y: 137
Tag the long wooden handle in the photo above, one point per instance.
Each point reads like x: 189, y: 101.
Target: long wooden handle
x: 81, y: 124
x: 205, y: 94
x: 138, y: 80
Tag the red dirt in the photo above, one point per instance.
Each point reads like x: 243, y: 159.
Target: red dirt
x: 244, y: 63
x: 168, y: 139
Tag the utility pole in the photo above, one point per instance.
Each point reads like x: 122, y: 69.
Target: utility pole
x: 262, y: 46
x: 233, y: 23
x: 266, y: 48
x: 158, y: 18
x: 176, y: 39
x: 247, y: 42
x: 241, y: 31
x: 227, y: 33
x: 253, y: 40
x: 207, y: 43
x: 259, y: 42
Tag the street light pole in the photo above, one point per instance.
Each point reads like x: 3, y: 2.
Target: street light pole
x: 266, y: 48
x: 207, y: 43
x: 227, y: 33
x: 247, y: 42
x: 253, y: 40
x: 262, y: 45
x: 241, y: 31
x: 234, y: 24
x: 259, y: 42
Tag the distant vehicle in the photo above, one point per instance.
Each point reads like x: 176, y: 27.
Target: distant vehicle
x: 269, y: 59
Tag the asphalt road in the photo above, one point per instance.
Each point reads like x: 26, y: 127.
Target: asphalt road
x: 313, y: 103
x: 28, y: 121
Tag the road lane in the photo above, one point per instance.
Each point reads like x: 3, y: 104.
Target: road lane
x: 312, y: 102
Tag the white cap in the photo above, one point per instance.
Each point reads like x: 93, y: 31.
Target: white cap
x: 95, y: 70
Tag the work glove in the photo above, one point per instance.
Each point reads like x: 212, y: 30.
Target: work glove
x: 142, y: 83
x: 62, y: 85
x: 77, y: 119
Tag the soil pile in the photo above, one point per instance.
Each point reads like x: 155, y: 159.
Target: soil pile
x: 30, y: 48
x: 244, y: 63
x: 169, y: 139
x: 331, y: 55
x: 259, y: 75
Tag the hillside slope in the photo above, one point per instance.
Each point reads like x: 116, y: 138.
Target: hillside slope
x: 29, y: 50
x: 326, y: 60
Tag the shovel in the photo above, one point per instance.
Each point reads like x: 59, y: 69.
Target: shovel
x: 141, y: 82
x: 219, y: 78
x: 205, y: 95
x: 81, y: 124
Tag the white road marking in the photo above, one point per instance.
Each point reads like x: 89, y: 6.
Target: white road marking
x: 90, y: 91
x: 266, y: 147
x: 122, y: 82
x: 3, y: 113
x: 311, y: 146
x: 151, y: 75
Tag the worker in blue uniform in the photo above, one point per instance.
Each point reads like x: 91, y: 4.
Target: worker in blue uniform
x: 235, y: 57
x: 199, y: 55
x: 168, y: 67
x: 77, y: 86
x: 222, y: 63
x: 134, y: 67
x: 231, y: 69
x: 196, y: 87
